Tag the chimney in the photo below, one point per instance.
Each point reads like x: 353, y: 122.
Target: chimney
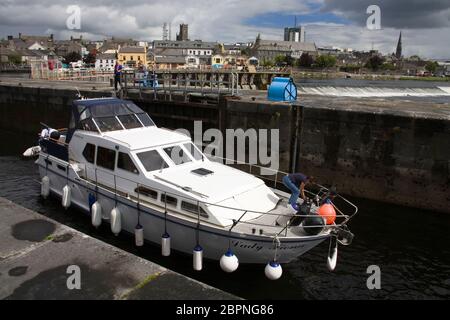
x: 20, y: 35
x: 51, y: 36
x: 10, y: 37
x: 71, y: 38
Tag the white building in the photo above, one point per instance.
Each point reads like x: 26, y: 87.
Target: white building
x: 36, y: 46
x: 192, y: 62
x: 296, y: 34
x: 105, y: 62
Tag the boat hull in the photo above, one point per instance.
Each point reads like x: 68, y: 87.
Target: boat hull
x: 185, y: 235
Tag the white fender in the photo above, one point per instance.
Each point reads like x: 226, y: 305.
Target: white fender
x: 66, y: 196
x: 31, y: 152
x: 229, y: 262
x: 45, y: 187
x: 96, y: 214
x: 198, y: 258
x: 332, y: 261
x: 139, y: 236
x: 116, y: 223
x: 165, y: 245
x: 273, y: 270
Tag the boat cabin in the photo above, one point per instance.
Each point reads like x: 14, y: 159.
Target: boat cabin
x: 116, y: 145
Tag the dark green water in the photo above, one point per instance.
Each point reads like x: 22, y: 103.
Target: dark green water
x: 410, y: 246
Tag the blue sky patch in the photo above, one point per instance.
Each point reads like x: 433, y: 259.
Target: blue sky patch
x: 281, y: 20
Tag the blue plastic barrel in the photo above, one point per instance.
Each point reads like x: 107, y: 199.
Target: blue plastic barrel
x: 282, y: 89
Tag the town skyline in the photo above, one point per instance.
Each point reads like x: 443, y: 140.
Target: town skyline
x: 327, y: 22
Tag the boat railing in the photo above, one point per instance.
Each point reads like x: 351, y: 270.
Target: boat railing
x: 341, y: 218
x: 321, y: 191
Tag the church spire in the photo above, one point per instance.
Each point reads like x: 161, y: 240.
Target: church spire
x: 398, y: 52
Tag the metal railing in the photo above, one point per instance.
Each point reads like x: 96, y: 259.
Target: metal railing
x: 185, y: 82
x: 159, y: 203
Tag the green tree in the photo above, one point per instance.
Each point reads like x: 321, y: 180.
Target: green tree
x: 280, y: 60
x: 15, y: 58
x: 431, y: 66
x: 72, y: 57
x: 375, y: 62
x: 90, y: 58
x: 246, y: 52
x: 325, y: 61
x: 388, y: 66
x: 305, y: 60
x: 415, y: 57
x: 267, y: 63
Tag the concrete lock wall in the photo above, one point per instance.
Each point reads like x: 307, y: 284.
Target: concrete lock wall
x: 368, y: 149
x: 401, y: 159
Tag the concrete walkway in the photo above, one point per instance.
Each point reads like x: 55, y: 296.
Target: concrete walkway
x: 36, y: 254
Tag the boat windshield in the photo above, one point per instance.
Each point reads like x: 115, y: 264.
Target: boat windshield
x: 193, y: 151
x: 152, y: 160
x: 108, y: 115
x: 177, y: 155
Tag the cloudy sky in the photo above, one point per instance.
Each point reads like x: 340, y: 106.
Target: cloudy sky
x: 425, y: 23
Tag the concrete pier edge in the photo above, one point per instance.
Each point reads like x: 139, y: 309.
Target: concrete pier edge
x: 39, y: 258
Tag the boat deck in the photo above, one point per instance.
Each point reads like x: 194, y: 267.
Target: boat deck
x: 274, y: 222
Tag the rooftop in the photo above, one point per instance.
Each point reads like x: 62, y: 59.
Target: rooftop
x: 146, y: 137
x: 195, y: 44
x: 285, y: 45
x: 170, y: 59
x: 132, y: 50
x: 106, y: 56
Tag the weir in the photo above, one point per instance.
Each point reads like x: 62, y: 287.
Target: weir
x: 392, y: 150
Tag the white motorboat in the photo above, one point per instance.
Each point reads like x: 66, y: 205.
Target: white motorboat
x: 116, y: 165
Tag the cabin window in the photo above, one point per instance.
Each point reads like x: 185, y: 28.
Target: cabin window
x: 195, y: 153
x: 89, y: 152
x: 171, y: 201
x: 129, y: 121
x: 147, y: 192
x: 124, y: 162
x: 177, y: 155
x: 152, y: 160
x: 145, y: 119
x: 108, y: 124
x: 190, y: 207
x: 106, y: 158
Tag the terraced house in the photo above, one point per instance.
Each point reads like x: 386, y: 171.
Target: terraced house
x: 133, y: 56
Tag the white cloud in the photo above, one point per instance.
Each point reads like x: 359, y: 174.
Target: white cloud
x: 208, y: 20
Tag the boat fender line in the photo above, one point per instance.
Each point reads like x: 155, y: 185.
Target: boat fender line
x: 96, y: 214
x: 198, y: 250
x: 91, y: 200
x: 273, y: 269
x: 116, y: 224
x: 138, y: 230
x: 332, y: 254
x: 229, y: 262
x: 45, y: 182
x: 165, y: 238
x: 66, y: 194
